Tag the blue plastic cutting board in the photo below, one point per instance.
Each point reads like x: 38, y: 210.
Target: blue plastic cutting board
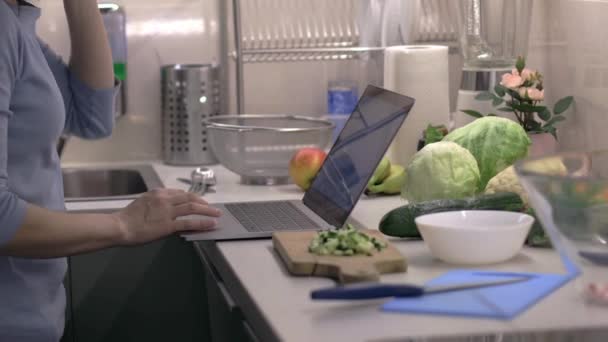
x: 497, y: 302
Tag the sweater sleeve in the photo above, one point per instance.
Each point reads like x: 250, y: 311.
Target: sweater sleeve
x: 89, y: 111
x: 12, y: 208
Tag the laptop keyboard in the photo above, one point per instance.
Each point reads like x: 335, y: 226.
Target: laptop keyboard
x: 270, y: 216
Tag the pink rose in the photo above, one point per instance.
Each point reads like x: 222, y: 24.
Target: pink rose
x: 528, y: 74
x: 511, y: 81
x: 535, y: 94
x: 523, y: 92
x: 532, y: 94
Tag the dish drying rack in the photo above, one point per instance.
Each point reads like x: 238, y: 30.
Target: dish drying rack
x: 268, y: 31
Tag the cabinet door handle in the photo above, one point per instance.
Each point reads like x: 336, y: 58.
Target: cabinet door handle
x: 247, y: 328
x: 227, y: 297
x: 233, y: 307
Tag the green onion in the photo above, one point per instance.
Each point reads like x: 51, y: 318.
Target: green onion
x: 346, y: 241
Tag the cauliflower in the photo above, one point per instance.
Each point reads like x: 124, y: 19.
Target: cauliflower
x: 507, y: 181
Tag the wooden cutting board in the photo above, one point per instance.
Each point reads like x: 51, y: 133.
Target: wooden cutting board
x: 293, y: 249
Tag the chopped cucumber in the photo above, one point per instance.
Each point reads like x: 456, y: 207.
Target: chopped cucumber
x: 345, y: 241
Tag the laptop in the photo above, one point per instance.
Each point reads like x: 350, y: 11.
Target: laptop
x: 338, y: 185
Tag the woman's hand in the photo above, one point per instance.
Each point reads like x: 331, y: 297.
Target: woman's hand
x: 51, y: 234
x: 154, y: 215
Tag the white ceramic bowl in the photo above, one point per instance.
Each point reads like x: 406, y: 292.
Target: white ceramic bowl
x: 474, y: 237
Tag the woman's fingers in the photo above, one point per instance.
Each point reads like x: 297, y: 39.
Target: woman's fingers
x: 166, y: 192
x: 194, y: 225
x: 193, y: 208
x: 185, y: 197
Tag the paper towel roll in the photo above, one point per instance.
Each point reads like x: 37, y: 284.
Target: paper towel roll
x: 421, y: 72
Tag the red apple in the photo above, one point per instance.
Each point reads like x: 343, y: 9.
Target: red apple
x: 304, y: 165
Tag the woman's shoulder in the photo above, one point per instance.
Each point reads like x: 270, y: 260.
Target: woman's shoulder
x: 7, y: 16
x: 9, y: 25
x: 11, y: 37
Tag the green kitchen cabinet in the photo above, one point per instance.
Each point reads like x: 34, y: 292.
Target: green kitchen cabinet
x: 68, y: 335
x: 227, y: 321
x: 152, y: 292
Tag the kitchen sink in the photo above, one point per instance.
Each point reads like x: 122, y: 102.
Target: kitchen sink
x: 82, y: 184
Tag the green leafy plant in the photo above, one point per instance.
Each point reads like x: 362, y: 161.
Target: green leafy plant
x: 434, y: 134
x: 521, y: 92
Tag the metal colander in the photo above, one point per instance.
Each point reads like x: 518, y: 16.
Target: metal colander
x: 259, y: 147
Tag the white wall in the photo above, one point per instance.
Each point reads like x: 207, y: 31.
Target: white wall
x: 577, y: 64
x: 568, y: 44
x: 159, y: 32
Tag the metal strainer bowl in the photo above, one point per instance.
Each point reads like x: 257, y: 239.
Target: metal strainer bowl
x: 258, y: 147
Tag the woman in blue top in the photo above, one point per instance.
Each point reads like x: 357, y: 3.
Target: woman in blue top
x: 41, y: 98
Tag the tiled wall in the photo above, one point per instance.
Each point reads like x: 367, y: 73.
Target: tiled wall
x: 159, y: 32
x: 567, y: 43
x: 577, y: 64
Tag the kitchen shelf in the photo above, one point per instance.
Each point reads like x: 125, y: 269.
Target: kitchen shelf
x: 304, y: 54
x: 317, y: 30
x: 294, y: 35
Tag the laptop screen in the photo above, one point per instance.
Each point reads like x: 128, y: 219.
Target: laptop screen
x: 357, y: 151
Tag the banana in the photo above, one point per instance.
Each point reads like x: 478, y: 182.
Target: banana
x: 382, y: 171
x: 391, y: 184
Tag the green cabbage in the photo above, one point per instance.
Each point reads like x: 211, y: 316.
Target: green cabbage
x: 496, y: 143
x: 441, y: 170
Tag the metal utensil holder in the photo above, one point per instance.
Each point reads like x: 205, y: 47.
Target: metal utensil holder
x: 190, y: 94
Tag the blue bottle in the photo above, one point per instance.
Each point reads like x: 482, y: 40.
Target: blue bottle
x: 342, y: 98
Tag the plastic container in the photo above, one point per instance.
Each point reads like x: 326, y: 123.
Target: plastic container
x: 114, y: 20
x: 494, y: 32
x: 569, y: 193
x: 342, y: 97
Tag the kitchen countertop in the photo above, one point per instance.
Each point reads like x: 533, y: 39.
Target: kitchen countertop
x: 284, y: 304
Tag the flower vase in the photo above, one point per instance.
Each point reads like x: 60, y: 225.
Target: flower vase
x: 542, y: 144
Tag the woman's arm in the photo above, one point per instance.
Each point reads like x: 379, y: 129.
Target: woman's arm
x: 91, y: 57
x: 48, y: 234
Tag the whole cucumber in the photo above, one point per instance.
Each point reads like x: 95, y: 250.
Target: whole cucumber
x: 400, y: 221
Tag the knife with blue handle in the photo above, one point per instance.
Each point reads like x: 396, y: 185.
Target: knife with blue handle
x: 380, y: 290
